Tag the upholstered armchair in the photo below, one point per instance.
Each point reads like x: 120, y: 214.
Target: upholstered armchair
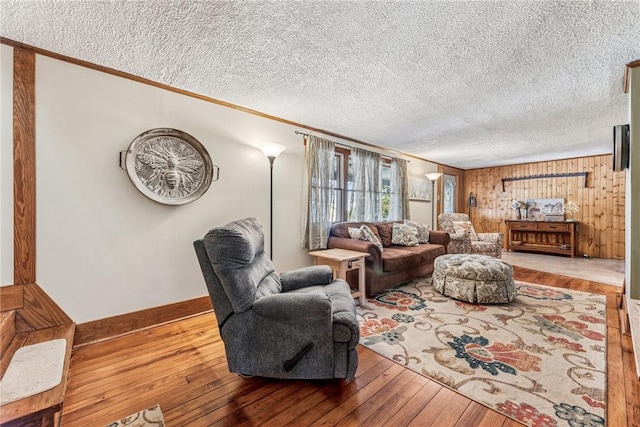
x: 464, y: 239
x: 298, y: 324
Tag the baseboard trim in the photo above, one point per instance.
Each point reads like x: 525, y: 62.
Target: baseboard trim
x: 110, y: 327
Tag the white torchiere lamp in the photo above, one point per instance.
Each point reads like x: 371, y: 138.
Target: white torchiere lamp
x: 433, y: 177
x: 271, y: 151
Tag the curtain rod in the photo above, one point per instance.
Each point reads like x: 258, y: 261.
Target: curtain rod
x: 297, y: 132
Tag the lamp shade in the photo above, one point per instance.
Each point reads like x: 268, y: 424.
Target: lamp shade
x: 272, y: 150
x: 472, y: 202
x: 433, y: 176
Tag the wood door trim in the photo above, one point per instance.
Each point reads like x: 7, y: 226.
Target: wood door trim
x: 627, y: 74
x: 460, y: 197
x: 24, y: 166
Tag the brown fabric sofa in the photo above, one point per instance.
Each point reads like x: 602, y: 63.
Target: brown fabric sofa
x: 396, y: 264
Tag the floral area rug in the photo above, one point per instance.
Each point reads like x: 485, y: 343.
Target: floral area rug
x: 539, y: 359
x: 151, y: 417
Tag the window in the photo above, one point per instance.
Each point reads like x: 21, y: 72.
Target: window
x: 343, y: 186
x: 338, y: 180
x: 385, y: 175
x: 337, y: 183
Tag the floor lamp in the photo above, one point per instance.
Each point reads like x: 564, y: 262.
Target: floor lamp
x: 433, y: 177
x: 271, y: 151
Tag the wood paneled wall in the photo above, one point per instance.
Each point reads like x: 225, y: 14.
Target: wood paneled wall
x: 601, y: 232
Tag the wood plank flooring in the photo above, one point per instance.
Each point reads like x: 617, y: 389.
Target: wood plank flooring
x: 181, y: 366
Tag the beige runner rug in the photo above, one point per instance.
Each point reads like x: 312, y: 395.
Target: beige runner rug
x: 540, y: 359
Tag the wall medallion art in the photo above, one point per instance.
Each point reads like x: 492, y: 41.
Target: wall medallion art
x: 169, y: 166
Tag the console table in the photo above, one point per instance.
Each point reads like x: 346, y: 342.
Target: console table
x: 554, y: 237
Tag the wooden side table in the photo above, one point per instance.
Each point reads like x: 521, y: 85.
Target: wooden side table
x: 341, y: 261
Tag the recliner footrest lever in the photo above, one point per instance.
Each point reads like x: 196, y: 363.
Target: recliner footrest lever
x: 291, y: 363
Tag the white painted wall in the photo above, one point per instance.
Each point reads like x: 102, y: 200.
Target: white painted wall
x: 104, y: 249
x: 6, y: 165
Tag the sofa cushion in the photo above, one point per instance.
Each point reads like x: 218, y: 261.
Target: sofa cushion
x: 368, y: 235
x: 421, y: 229
x: 355, y: 233
x: 365, y: 233
x: 404, y: 235
x: 385, y: 231
x: 397, y: 258
x: 341, y: 229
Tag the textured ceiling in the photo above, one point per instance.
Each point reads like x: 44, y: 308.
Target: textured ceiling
x: 469, y: 84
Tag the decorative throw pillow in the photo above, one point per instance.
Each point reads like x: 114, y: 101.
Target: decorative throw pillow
x: 465, y: 227
x: 421, y: 230
x: 369, y: 236
x: 404, y: 235
x: 355, y: 233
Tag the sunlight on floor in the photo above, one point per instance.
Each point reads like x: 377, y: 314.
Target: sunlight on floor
x: 608, y: 271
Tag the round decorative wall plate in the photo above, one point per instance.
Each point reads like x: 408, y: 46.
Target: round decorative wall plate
x: 169, y: 166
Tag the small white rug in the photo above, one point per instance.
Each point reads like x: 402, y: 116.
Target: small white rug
x: 33, y: 369
x: 151, y: 417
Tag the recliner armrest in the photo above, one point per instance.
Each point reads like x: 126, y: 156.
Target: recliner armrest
x: 294, y: 307
x: 306, y: 276
x: 462, y: 237
x: 438, y: 237
x: 491, y: 238
x: 375, y: 256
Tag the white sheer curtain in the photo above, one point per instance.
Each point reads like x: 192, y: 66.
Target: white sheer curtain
x: 399, y: 195
x: 319, y: 197
x: 365, y: 197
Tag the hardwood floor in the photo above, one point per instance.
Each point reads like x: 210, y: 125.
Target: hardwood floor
x: 181, y: 366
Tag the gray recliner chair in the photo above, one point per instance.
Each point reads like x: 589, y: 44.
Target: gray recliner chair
x: 299, y: 324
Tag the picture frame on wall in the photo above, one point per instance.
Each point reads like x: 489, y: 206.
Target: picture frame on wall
x: 420, y: 190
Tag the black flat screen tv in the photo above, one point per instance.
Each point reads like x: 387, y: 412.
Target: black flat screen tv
x: 620, y: 147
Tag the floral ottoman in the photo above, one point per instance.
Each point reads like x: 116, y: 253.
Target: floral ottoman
x: 474, y: 278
